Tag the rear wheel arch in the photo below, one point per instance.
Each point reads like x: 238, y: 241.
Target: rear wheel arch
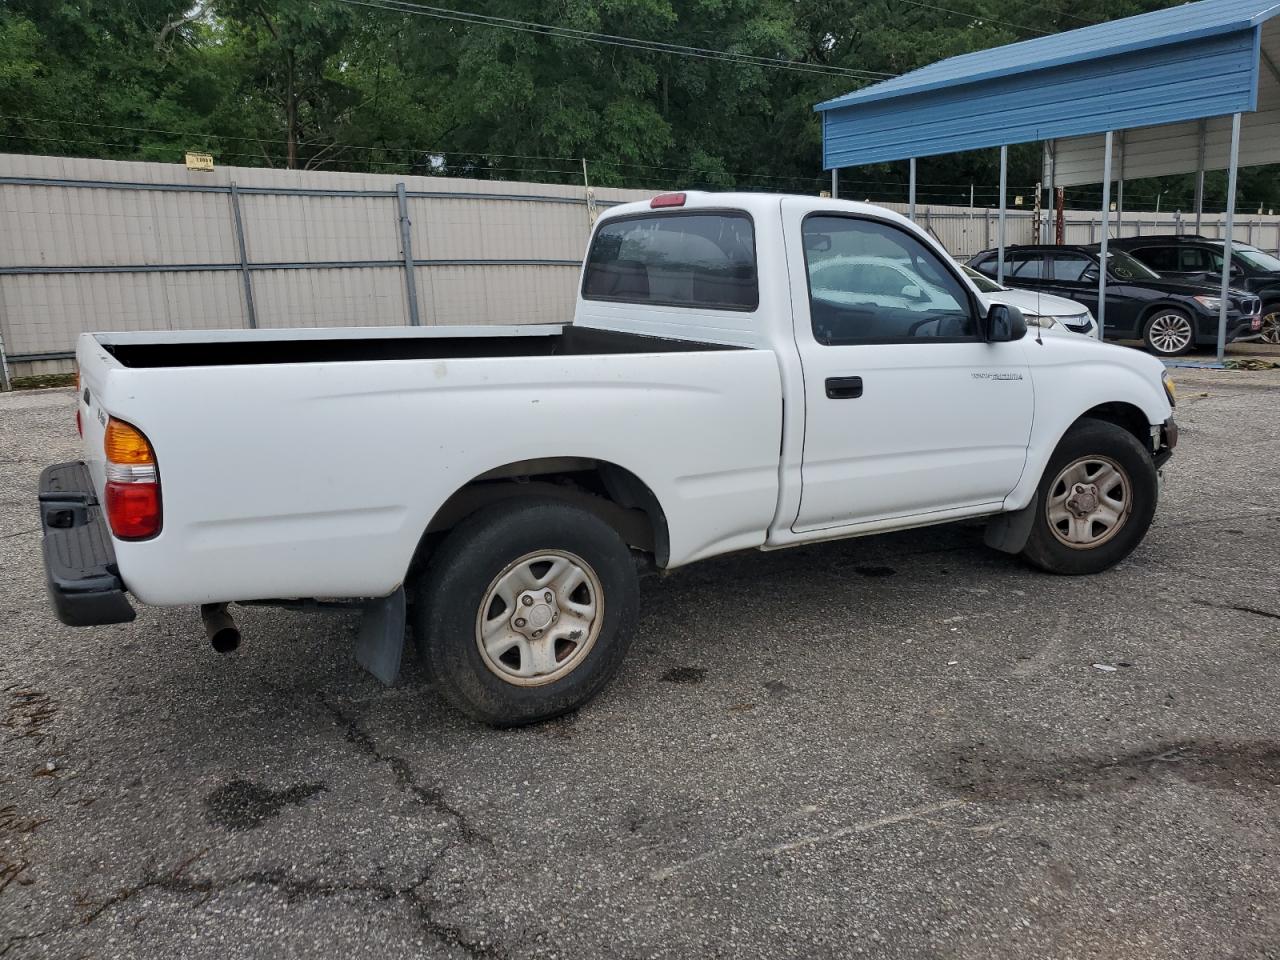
x: 612, y: 492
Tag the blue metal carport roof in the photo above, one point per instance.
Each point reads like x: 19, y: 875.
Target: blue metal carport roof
x: 1182, y: 63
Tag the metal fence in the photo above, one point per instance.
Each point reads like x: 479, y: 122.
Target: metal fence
x: 108, y: 245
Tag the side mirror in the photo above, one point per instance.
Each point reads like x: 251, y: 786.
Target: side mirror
x: 1004, y: 323
x: 912, y: 292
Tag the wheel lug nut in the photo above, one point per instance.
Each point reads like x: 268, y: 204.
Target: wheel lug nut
x: 536, y: 634
x: 527, y: 600
x: 520, y: 621
x: 547, y: 596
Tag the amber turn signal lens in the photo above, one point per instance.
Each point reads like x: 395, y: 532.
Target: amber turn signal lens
x: 125, y: 444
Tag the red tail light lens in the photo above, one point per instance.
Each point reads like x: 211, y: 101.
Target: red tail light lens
x: 133, y: 482
x: 133, y: 509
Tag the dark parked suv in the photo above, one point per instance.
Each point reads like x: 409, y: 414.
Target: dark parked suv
x: 1171, y: 316
x: 1199, y: 258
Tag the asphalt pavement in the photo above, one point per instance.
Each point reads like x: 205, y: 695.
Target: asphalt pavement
x: 904, y: 746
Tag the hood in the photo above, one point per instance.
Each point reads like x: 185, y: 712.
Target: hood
x: 1187, y: 288
x: 1041, y: 304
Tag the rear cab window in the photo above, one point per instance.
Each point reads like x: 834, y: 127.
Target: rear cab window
x: 704, y: 259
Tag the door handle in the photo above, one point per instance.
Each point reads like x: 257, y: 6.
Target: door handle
x: 844, y: 388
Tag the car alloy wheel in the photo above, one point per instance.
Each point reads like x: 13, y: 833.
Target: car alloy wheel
x: 1271, y: 326
x: 1170, y: 333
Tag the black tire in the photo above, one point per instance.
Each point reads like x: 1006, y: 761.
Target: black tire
x: 1155, y: 331
x: 1106, y: 441
x: 459, y: 576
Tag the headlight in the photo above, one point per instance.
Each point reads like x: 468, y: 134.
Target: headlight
x: 1212, y: 304
x: 1035, y: 320
x: 1169, y: 390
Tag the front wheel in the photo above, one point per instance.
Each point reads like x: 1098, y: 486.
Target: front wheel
x: 1169, y: 333
x: 524, y: 612
x: 1095, y: 501
x: 1271, y: 323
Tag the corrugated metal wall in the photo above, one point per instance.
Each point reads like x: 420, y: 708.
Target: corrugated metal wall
x: 105, y: 245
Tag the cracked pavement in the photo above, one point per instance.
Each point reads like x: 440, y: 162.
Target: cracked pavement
x: 903, y: 746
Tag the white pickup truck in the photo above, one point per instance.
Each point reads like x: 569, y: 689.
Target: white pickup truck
x: 743, y: 371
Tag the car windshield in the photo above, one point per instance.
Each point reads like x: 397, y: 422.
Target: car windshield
x: 1256, y: 258
x: 984, y: 284
x: 1124, y: 267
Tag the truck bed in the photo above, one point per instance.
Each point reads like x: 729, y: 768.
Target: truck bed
x: 236, y: 348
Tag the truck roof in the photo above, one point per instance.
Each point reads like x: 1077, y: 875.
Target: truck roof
x: 756, y: 204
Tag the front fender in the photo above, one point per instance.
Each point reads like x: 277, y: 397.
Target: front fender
x: 1073, y: 377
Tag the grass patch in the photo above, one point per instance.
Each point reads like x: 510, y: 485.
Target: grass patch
x: 44, y: 380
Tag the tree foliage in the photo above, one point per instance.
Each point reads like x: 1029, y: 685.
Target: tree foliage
x: 336, y: 85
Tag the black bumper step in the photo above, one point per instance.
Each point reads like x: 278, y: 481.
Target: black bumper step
x: 84, y: 583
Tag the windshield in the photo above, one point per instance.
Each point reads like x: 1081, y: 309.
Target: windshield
x: 984, y: 284
x: 1256, y: 258
x: 1124, y: 267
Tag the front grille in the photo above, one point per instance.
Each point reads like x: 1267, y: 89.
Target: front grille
x: 1250, y: 306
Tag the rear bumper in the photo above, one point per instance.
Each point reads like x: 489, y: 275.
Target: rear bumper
x: 83, y: 581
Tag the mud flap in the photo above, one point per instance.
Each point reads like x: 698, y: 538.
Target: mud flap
x: 1010, y: 531
x: 381, y: 640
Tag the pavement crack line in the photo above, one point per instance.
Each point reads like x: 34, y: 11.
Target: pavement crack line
x: 431, y: 797
x: 178, y: 881
x: 1239, y: 608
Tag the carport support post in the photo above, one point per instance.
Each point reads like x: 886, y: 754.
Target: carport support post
x: 1004, y: 172
x: 1228, y: 236
x: 835, y: 183
x: 1106, y: 224
x: 1200, y: 136
x: 1120, y: 192
x: 911, y: 192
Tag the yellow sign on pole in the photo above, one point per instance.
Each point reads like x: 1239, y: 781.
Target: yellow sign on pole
x: 1017, y: 200
x: 199, y: 161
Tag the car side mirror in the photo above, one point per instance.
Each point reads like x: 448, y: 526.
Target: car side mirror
x: 912, y: 292
x: 1004, y: 323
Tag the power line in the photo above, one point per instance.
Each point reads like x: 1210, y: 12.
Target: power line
x: 652, y: 46
x: 977, y: 18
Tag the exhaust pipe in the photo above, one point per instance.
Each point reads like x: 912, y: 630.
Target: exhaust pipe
x: 221, y: 630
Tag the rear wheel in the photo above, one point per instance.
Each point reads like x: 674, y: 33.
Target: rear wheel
x: 1271, y: 323
x: 1169, y: 333
x: 525, y: 610
x: 1095, y: 501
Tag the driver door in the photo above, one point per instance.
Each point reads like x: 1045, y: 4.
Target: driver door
x: 908, y: 411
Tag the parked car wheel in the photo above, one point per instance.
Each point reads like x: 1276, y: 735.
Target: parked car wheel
x: 524, y: 612
x: 1095, y: 501
x: 1169, y: 333
x: 1271, y: 323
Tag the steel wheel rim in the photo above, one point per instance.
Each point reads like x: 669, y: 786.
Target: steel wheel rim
x: 1089, y: 502
x: 1271, y: 327
x: 1171, y: 333
x: 540, y: 617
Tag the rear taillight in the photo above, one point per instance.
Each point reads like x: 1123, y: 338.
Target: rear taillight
x: 133, y: 482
